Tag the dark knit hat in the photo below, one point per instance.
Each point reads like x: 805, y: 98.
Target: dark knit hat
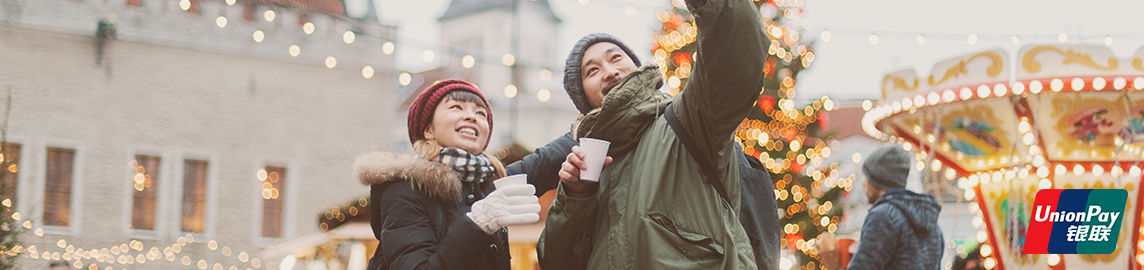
x: 573, y: 84
x: 888, y: 167
x: 421, y: 111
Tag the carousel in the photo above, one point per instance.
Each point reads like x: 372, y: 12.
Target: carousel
x: 1004, y: 125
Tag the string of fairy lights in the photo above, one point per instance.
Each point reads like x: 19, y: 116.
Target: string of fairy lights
x: 875, y: 37
x: 469, y: 60
x: 124, y: 254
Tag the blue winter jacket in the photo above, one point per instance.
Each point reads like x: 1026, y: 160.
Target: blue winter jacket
x: 900, y: 232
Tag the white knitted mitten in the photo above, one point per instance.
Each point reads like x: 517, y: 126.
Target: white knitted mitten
x: 509, y: 205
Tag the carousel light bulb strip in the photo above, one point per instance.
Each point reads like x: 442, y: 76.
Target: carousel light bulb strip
x: 992, y: 240
x: 911, y: 143
x: 997, y: 90
x: 1030, y: 138
x: 1138, y: 248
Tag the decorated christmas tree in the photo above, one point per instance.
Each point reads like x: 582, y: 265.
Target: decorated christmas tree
x: 10, y: 227
x: 787, y: 138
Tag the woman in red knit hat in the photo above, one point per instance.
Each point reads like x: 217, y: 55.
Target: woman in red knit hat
x: 437, y: 208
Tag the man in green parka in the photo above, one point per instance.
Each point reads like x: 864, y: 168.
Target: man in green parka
x: 652, y: 208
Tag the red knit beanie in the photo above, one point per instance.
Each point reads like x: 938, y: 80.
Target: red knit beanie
x: 421, y: 111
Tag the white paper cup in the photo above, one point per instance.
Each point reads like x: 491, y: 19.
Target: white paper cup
x: 594, y: 152
x: 519, y: 179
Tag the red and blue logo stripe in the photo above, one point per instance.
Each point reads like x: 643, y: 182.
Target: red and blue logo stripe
x: 1075, y: 221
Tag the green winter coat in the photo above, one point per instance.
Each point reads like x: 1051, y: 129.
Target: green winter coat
x: 653, y: 209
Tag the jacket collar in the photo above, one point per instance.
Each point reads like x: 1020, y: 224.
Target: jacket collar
x: 435, y: 180
x: 920, y: 211
x: 628, y: 109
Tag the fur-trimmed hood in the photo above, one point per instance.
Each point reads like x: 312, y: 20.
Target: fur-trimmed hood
x: 436, y: 180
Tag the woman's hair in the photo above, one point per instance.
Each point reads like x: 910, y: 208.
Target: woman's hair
x: 429, y: 149
x: 465, y: 96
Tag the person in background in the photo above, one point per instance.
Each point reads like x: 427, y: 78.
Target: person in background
x: 900, y: 231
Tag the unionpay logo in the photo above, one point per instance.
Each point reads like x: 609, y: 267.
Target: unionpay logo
x: 1075, y: 221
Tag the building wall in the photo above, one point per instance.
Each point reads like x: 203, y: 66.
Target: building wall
x: 177, y: 86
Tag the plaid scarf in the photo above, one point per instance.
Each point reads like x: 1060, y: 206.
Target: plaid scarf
x: 473, y: 168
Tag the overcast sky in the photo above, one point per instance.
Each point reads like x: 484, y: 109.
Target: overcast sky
x: 848, y: 66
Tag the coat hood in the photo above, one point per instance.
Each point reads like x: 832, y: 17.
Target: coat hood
x: 436, y: 180
x: 920, y: 210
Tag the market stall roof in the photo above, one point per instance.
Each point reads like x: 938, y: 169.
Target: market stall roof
x: 357, y: 230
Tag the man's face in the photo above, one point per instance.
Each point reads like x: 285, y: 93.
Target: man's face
x: 603, y: 66
x: 872, y: 193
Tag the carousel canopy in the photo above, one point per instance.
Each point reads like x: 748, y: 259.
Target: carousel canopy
x: 1057, y: 104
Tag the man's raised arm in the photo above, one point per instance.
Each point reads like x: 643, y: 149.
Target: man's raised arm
x: 728, y: 71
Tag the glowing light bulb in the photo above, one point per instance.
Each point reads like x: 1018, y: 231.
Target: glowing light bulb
x: 367, y: 72
x: 269, y: 15
x: 308, y: 28
x: 258, y: 36
x: 348, y: 37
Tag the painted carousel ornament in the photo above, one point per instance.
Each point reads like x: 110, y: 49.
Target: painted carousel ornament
x: 1058, y: 116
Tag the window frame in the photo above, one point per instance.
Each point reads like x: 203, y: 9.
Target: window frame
x: 288, y: 201
x: 162, y: 197
x: 211, y: 206
x: 75, y: 220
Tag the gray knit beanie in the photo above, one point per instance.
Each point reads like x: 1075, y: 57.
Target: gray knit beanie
x: 573, y: 84
x: 888, y: 167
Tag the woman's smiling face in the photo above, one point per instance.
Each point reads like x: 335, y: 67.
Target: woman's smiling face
x: 460, y: 124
